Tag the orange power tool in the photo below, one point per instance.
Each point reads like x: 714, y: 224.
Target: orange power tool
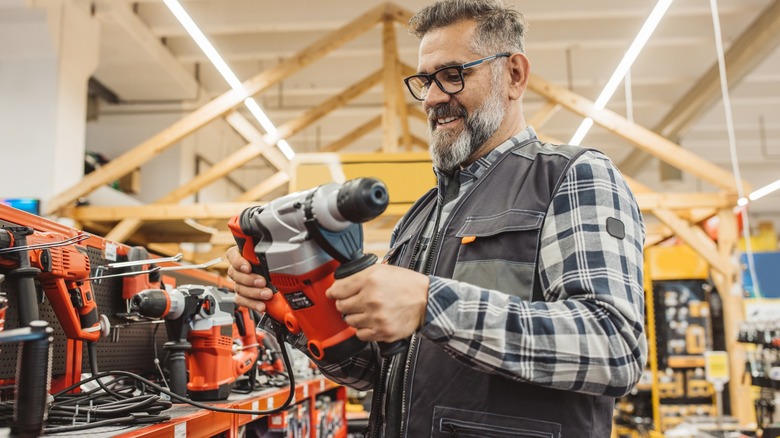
x: 301, y: 243
x: 63, y: 272
x: 201, y: 323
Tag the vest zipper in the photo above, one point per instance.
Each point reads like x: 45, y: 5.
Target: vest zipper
x: 412, y: 341
x: 404, y: 394
x: 377, y: 413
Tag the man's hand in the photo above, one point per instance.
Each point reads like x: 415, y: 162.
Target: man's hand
x: 384, y: 303
x: 250, y: 288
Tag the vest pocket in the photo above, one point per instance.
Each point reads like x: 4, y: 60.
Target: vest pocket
x: 498, y: 252
x: 511, y: 235
x: 451, y: 422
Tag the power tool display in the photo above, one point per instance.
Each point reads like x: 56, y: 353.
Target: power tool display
x: 300, y: 243
x: 63, y: 273
x: 199, y: 321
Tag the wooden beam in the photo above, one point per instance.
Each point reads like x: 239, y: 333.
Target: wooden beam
x: 351, y: 92
x: 415, y: 111
x: 121, y: 14
x: 248, y: 132
x: 128, y: 226
x: 420, y: 143
x: 160, y: 212
x: 658, y: 235
x: 267, y: 186
x: 168, y: 237
x: 685, y: 201
x: 394, y: 14
x: 749, y: 50
x: 353, y: 135
x: 642, y: 137
x: 733, y: 315
x: 391, y: 88
x: 142, y: 153
x: 544, y: 114
x: 399, y: 14
x: 695, y: 238
x: 245, y: 128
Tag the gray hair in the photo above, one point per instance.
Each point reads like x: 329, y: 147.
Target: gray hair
x: 500, y: 28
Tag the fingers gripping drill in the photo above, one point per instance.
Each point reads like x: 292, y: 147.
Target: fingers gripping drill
x: 301, y: 243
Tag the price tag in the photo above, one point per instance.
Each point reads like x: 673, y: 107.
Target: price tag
x: 255, y: 407
x: 110, y: 252
x: 180, y: 430
x: 305, y: 391
x: 270, y: 404
x: 716, y: 366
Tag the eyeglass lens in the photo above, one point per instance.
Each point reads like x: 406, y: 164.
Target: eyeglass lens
x: 450, y: 80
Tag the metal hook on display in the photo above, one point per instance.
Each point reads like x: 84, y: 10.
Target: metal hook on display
x: 98, y: 275
x: 65, y: 242
x: 130, y: 263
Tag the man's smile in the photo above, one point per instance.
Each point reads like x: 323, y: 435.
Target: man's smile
x: 446, y: 122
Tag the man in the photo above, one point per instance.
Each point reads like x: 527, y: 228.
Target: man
x: 518, y: 280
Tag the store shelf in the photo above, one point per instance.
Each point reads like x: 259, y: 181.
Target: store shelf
x: 193, y: 422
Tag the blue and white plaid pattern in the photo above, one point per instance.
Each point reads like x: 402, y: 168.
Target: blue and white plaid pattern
x: 588, y: 334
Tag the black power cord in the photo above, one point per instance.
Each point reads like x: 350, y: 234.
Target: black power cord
x: 114, y: 408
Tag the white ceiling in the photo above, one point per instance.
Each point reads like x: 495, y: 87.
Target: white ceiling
x: 147, y: 56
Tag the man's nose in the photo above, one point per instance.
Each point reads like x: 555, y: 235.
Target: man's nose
x: 435, y: 96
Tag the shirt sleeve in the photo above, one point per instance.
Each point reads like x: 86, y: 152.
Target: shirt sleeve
x: 588, y: 334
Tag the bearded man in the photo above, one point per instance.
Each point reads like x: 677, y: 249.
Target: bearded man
x: 517, y: 281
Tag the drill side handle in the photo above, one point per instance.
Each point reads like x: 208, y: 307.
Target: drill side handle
x: 386, y: 349
x: 24, y: 273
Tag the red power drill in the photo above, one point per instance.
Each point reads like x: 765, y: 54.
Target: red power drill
x: 301, y: 243
x: 63, y: 272
x: 199, y: 321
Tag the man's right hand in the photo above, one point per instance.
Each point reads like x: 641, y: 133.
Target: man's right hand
x: 250, y: 288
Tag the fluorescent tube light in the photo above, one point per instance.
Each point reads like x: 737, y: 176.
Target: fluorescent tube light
x: 760, y: 193
x: 624, y: 66
x: 224, y: 70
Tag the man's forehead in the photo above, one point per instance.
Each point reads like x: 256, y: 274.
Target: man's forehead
x: 445, y: 46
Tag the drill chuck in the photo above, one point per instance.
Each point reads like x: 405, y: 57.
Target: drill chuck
x: 157, y: 303
x: 362, y: 199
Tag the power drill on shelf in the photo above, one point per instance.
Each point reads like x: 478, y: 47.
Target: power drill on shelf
x: 199, y: 321
x: 300, y: 243
x: 62, y: 271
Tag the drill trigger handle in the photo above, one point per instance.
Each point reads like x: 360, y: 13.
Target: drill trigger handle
x: 386, y: 349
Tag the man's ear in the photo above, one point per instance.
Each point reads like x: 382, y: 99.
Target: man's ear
x: 519, y: 72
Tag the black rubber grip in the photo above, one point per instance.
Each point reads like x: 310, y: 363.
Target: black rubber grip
x: 33, y: 375
x: 27, y: 295
x: 178, y: 369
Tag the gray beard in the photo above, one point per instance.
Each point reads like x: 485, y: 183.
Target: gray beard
x: 448, y: 153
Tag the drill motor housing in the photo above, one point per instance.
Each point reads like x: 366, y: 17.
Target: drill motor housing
x: 201, y: 323
x: 301, y: 243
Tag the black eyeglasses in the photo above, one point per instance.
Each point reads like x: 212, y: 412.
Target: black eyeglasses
x: 449, y: 79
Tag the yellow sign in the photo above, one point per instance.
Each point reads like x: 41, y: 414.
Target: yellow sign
x: 716, y: 366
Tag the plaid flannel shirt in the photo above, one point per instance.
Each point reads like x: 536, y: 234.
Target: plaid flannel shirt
x: 588, y: 334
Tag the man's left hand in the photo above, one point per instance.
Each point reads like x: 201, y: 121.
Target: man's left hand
x: 384, y: 303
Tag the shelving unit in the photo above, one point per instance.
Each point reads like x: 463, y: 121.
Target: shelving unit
x: 193, y: 422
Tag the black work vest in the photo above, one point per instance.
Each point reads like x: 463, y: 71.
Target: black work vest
x: 503, y: 212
